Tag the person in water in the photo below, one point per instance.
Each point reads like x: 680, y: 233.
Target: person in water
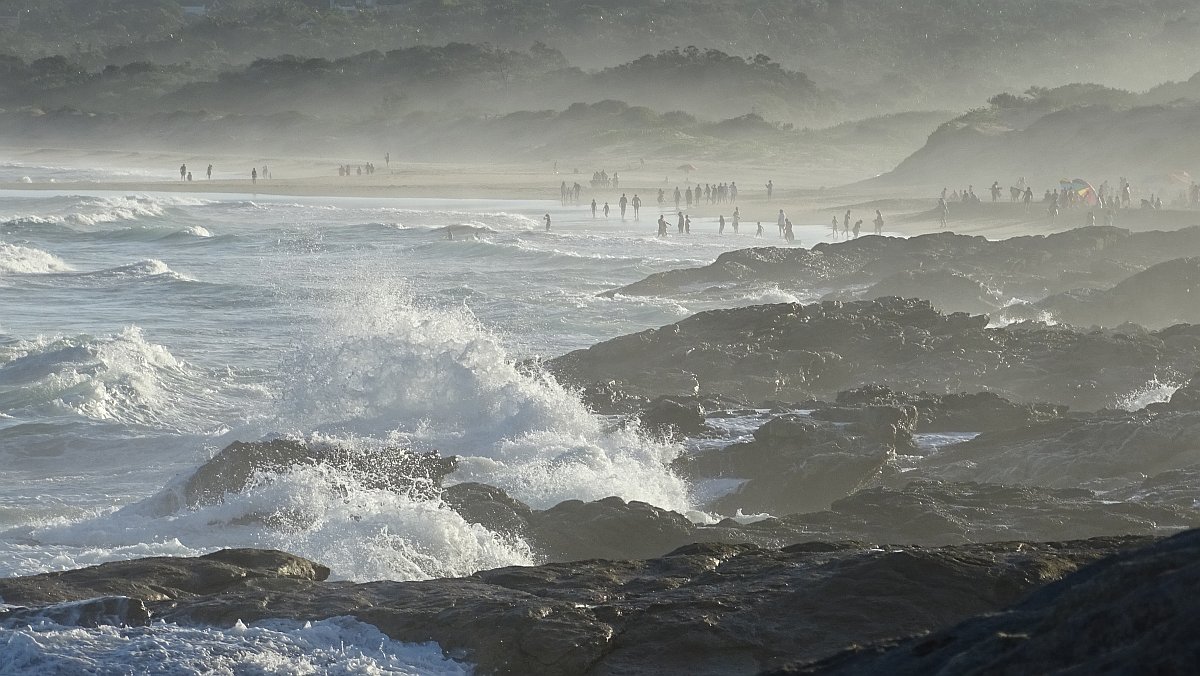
x: 721, y: 229
x: 737, y: 219
x: 606, y: 210
x: 687, y: 225
x: 782, y: 220
x: 857, y: 227
x: 788, y: 235
x: 878, y: 222
x: 637, y: 206
x: 833, y: 228
x: 662, y: 226
x: 547, y: 217
x: 682, y: 225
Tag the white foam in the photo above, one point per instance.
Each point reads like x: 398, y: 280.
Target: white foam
x: 321, y: 513
x: 384, y: 367
x: 1153, y: 392
x: 26, y: 260
x: 335, y: 646
x: 121, y: 378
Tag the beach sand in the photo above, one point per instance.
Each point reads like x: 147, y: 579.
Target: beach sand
x: 908, y: 211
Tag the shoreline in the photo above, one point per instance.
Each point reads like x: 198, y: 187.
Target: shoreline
x: 907, y: 211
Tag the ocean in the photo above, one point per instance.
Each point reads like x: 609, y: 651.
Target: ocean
x: 140, y: 333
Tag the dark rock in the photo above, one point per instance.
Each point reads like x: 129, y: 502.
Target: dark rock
x: 704, y: 609
x: 112, y: 611
x: 231, y: 470
x: 489, y: 506
x: 608, y: 528
x: 161, y: 578
x: 796, y: 464
x: 1133, y: 613
x: 671, y: 419
x: 958, y: 412
x: 794, y: 352
x: 940, y: 513
x: 1163, y: 295
x: 1075, y: 451
x: 949, y: 291
x: 957, y: 272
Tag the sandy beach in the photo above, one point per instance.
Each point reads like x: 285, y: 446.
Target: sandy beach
x: 906, y: 211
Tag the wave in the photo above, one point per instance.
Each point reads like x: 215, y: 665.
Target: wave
x: 121, y: 378
x: 26, y: 260
x: 1153, y: 392
x: 381, y: 365
x: 144, y: 269
x: 82, y: 211
x: 339, y: 645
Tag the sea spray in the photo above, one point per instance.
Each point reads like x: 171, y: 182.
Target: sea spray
x: 382, y: 365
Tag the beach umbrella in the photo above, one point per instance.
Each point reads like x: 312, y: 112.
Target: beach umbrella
x: 1086, y: 191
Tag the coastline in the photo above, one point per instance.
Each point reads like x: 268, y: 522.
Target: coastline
x: 907, y: 211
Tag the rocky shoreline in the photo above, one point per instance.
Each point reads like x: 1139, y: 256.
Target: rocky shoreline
x: 702, y: 609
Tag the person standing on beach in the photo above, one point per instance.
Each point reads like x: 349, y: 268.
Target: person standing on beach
x: 782, y: 220
x: 623, y: 204
x: 547, y: 222
x: 721, y: 228
x: 182, y: 171
x: 833, y: 228
x: 606, y: 210
x: 737, y: 219
x: 254, y: 176
x: 846, y: 224
x: 687, y: 225
x: 637, y: 206
x: 593, y: 209
x: 210, y: 172
x: 678, y: 197
x: 878, y: 222
x: 759, y: 232
x: 770, y: 189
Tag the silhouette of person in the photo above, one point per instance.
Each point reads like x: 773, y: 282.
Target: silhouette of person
x: 637, y: 206
x: 593, y: 209
x: 623, y: 203
x: 547, y: 217
x: 878, y: 222
x: 606, y: 210
x: 254, y: 176
x: 770, y: 190
x: 759, y: 232
x: 182, y: 171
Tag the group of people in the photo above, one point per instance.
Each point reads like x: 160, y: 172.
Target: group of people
x: 848, y: 231
x: 624, y: 203
x: 601, y: 179
x: 185, y: 175
x: 570, y: 194
x: 721, y: 193
x: 359, y: 170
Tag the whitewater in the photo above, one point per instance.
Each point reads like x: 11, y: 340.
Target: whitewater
x: 141, y: 333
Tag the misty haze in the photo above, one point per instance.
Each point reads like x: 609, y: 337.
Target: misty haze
x: 616, y: 337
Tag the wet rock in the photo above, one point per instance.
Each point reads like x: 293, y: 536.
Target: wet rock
x: 112, y: 611
x: 949, y: 291
x: 1115, y: 446
x: 231, y: 470
x: 957, y: 412
x: 1163, y: 295
x: 489, y: 506
x: 161, y: 578
x: 794, y: 464
x: 958, y: 272
x: 608, y: 528
x: 703, y: 609
x: 1134, y: 612
x: 937, y: 513
x: 671, y: 419
x: 794, y: 352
